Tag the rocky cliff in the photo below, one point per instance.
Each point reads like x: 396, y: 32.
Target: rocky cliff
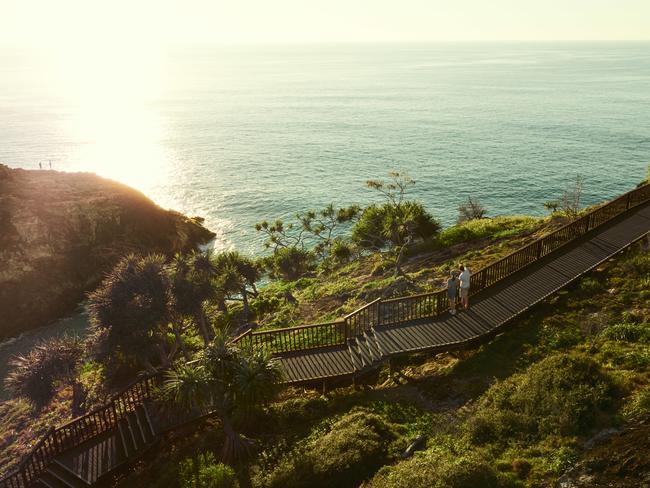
x: 60, y: 232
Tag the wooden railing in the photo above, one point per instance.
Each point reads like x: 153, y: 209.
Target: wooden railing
x: 400, y: 310
x: 60, y: 439
x: 299, y: 338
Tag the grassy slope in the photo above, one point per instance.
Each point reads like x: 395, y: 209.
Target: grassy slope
x: 332, y: 295
x: 603, y: 322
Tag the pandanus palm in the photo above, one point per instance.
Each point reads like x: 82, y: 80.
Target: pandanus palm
x: 236, y: 274
x: 191, y: 278
x: 36, y: 374
x: 226, y: 382
x: 131, y: 310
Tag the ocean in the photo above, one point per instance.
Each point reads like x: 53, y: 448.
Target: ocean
x: 242, y: 134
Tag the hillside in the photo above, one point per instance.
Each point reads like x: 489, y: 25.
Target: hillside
x: 559, y: 399
x: 60, y: 232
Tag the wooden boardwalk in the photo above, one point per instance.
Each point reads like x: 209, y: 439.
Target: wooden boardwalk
x: 490, y: 309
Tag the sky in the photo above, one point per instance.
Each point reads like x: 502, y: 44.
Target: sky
x: 62, y: 23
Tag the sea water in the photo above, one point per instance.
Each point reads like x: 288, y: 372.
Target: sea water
x: 242, y: 134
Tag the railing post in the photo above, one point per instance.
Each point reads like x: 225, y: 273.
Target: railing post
x: 55, y: 441
x: 628, y: 200
x: 378, y: 312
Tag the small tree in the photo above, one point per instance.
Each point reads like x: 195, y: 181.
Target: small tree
x: 289, y: 263
x: 471, y: 210
x: 314, y: 239
x: 237, y: 276
x: 321, y: 227
x: 36, y: 375
x: 397, y: 222
x: 132, y: 312
x: 552, y: 206
x: 192, y: 285
x: 570, y: 200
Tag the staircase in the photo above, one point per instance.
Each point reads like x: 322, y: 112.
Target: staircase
x: 365, y: 352
x: 87, y: 463
x: 136, y: 432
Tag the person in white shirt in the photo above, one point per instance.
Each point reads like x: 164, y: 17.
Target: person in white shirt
x: 464, y: 286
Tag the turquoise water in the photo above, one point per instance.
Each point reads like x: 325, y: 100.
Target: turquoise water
x: 242, y: 134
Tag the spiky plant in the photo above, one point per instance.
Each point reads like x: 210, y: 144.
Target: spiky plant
x: 37, y: 374
x: 236, y: 274
x: 132, y: 308
x: 228, y: 382
x: 192, y: 281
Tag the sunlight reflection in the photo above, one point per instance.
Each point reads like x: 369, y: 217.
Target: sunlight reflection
x: 111, y: 90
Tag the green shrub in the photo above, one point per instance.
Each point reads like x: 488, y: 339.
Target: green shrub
x: 559, y: 395
x: 497, y: 227
x: 560, y: 333
x: 435, y: 469
x: 351, y: 450
x: 204, y: 472
x: 289, y: 263
x: 640, y: 404
x: 625, y: 357
x: 265, y: 304
x: 590, y: 286
x: 382, y: 226
x: 562, y: 459
x: 628, y: 332
x: 636, y: 265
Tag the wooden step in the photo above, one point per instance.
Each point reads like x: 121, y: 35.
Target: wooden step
x: 126, y: 438
x: 145, y: 422
x: 57, y: 475
x: 137, y: 437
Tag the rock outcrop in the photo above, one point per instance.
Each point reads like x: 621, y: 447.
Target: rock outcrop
x: 60, y: 232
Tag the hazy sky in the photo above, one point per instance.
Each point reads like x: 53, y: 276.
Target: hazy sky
x: 65, y: 22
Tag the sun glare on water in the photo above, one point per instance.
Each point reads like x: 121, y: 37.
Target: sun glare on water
x: 110, y: 88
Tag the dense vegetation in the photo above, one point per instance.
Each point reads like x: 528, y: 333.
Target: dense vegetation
x: 519, y: 411
x: 516, y: 412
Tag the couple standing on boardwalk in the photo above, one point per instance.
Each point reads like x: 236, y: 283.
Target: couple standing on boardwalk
x: 458, y: 280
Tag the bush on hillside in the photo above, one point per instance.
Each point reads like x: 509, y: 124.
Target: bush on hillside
x: 626, y: 332
x: 471, y: 210
x: 204, y: 472
x: 352, y: 450
x: 289, y: 263
x: 382, y: 226
x: 562, y: 394
x: 436, y: 469
x: 475, y: 229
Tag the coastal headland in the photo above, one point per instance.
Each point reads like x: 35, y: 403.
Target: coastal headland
x: 61, y: 232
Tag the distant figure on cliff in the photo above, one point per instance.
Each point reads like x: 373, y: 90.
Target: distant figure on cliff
x: 452, y: 289
x: 464, y: 286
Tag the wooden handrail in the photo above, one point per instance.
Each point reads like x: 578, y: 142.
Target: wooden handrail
x: 78, y: 430
x: 398, y: 310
